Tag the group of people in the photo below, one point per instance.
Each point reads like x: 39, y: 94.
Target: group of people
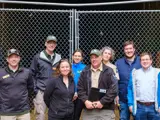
x: 74, y: 91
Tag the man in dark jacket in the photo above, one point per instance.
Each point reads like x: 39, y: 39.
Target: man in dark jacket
x: 42, y: 67
x: 15, y: 87
x: 100, y: 78
x: 125, y: 65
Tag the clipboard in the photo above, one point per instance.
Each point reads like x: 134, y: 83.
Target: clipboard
x: 96, y: 94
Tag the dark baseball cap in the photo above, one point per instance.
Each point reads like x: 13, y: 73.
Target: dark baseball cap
x: 95, y: 52
x: 12, y: 51
x: 51, y: 38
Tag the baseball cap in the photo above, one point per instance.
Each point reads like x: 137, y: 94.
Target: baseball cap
x: 95, y: 52
x: 12, y: 51
x: 51, y: 38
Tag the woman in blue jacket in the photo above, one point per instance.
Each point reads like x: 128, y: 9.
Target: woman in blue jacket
x: 59, y: 93
x: 77, y: 68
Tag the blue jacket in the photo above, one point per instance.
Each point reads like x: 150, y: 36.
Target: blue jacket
x: 124, y: 70
x: 132, y: 90
x: 77, y: 69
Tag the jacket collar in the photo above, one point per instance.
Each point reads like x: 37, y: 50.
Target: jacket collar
x: 20, y: 69
x: 70, y: 78
x: 135, y: 59
x: 103, y: 66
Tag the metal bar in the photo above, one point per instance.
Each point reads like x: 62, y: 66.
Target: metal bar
x: 78, y: 5
x: 118, y: 11
x: 72, y: 31
x: 76, y: 30
x: 34, y: 10
x: 70, y: 37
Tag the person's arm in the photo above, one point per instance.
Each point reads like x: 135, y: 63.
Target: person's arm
x: 34, y: 71
x: 48, y: 91
x: 111, y: 93
x: 30, y: 84
x: 158, y: 92
x: 30, y: 87
x: 82, y: 91
x: 130, y: 94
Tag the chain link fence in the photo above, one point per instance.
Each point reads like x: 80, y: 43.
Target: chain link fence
x: 97, y: 29
x: 27, y: 30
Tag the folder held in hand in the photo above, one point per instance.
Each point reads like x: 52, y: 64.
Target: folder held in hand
x: 96, y: 94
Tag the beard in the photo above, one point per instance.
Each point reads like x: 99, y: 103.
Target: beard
x: 130, y: 57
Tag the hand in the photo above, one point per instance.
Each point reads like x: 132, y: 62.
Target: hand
x: 74, y: 97
x: 117, y: 100
x: 130, y: 108
x: 159, y: 110
x: 97, y: 104
x: 89, y: 104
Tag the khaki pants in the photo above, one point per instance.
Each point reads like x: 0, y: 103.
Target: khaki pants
x: 98, y: 114
x: 40, y: 106
x: 17, y: 117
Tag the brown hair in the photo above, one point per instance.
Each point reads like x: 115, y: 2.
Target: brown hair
x: 57, y: 71
x: 129, y: 42
x: 146, y: 53
x: 78, y: 50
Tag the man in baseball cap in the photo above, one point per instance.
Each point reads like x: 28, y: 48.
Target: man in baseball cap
x: 16, y: 88
x: 42, y: 68
x: 100, y: 77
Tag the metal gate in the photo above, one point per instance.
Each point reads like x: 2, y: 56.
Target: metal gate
x: 27, y: 30
x: 96, y: 29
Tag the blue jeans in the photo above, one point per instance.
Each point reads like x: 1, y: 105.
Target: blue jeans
x: 124, y: 111
x: 147, y: 112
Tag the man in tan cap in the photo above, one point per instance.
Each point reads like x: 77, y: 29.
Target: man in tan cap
x: 42, y: 67
x: 97, y: 88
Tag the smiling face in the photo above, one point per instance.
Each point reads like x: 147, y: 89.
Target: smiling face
x: 50, y: 46
x: 13, y: 60
x: 106, y: 55
x: 146, y: 61
x: 95, y: 61
x: 77, y: 57
x: 65, y: 68
x: 129, y: 51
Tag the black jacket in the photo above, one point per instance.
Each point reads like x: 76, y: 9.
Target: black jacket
x: 58, y: 97
x: 14, y: 89
x: 42, y: 70
x: 106, y: 81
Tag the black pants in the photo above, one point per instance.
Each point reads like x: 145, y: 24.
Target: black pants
x: 66, y: 118
x: 78, y: 106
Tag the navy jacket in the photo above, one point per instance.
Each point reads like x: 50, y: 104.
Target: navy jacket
x: 124, y: 70
x: 58, y: 97
x: 42, y: 70
x: 14, y: 89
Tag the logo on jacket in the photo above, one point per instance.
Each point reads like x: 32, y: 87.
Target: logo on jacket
x: 79, y: 71
x: 6, y: 76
